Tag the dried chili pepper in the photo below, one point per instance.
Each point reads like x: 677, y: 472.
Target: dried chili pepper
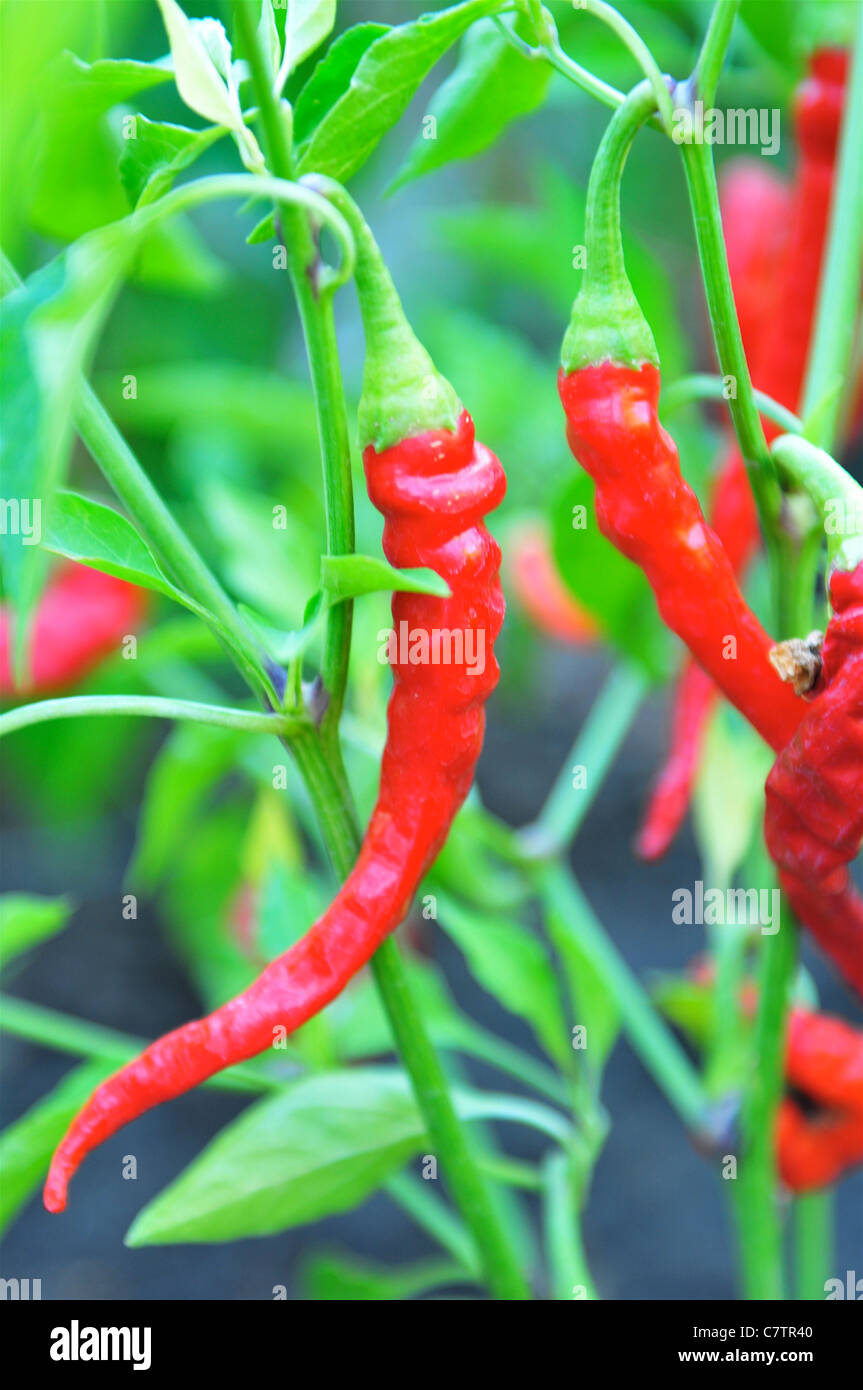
x: 540, y: 589
x: 774, y: 239
x: 818, y: 1141
x: 814, y: 814
x: 82, y: 618
x: 434, y: 484
x: 609, y: 386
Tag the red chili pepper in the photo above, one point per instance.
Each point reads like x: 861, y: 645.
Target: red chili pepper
x: 814, y: 815
x: 650, y: 513
x: 82, y: 618
x: 434, y: 484
x: 774, y: 238
x: 541, y: 591
x: 824, y: 1063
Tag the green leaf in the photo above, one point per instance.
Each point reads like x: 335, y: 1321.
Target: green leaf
x: 265, y: 230
x: 268, y: 37
x: 184, y: 774
x: 332, y: 76
x: 513, y: 965
x: 331, y: 1278
x: 593, y: 1004
x: 349, y: 576
x: 159, y: 151
x: 26, y: 1146
x: 100, y: 85
x: 611, y: 587
x: 26, y: 919
x: 492, y: 85
x: 199, y: 78
x: 308, y: 24
x: 385, y: 79
x: 728, y: 801
x: 321, y: 1146
x: 96, y: 535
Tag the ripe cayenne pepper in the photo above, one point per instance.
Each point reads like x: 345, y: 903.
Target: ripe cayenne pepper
x: 82, y: 618
x: 813, y: 822
x: 774, y: 238
x: 540, y: 589
x: 609, y: 386
x: 434, y: 484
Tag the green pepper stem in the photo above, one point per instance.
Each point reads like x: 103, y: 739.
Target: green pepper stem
x: 607, y: 322
x: 403, y: 393
x: 838, y: 496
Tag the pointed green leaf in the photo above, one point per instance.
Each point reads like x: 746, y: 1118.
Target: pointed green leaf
x: 26, y: 919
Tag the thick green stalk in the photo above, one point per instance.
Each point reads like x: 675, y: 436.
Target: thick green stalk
x: 561, y: 1219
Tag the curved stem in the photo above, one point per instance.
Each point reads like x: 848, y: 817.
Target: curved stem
x: 713, y: 49
x: 702, y: 386
x: 839, y: 293
x: 149, y: 706
x: 838, y: 496
x: 640, y: 52
x: 562, y: 1229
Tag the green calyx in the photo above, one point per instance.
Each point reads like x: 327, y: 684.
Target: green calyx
x: 607, y: 323
x: 403, y: 393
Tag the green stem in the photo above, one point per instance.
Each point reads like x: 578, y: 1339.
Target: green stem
x: 459, y: 1165
x: 704, y: 197
x: 759, y: 1221
x: 150, y: 706
x: 702, y: 386
x: 838, y: 496
x: 607, y: 322
x: 640, y: 52
x: 814, y: 1214
x: 654, y: 1043
x: 714, y: 48
x: 839, y: 292
x: 595, y: 749
x: 561, y: 1219
x: 315, y: 304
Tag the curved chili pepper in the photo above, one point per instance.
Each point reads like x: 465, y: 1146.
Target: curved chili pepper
x: 541, y: 591
x: 645, y: 508
x: 774, y: 238
x: 433, y: 486
x: 824, y: 1063
x: 813, y: 822
x: 82, y: 618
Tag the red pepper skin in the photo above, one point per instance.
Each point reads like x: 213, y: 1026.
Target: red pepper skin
x: 814, y: 813
x: 82, y: 618
x: 541, y: 591
x: 756, y: 206
x: 824, y: 1061
x: 646, y: 508
x: 434, y: 491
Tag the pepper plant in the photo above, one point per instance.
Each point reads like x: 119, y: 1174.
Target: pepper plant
x: 264, y: 643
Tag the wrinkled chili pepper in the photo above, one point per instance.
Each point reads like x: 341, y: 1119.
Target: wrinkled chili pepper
x: 774, y: 238
x: 434, y: 485
x: 82, y: 618
x: 540, y: 589
x: 818, y: 1141
x: 609, y: 386
x: 814, y: 814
